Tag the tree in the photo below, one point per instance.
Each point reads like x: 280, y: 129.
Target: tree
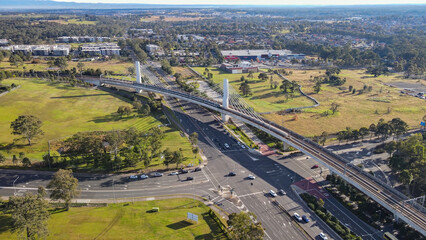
x: 390, y: 147
x: 26, y: 162
x: 16, y: 60
x: 2, y: 158
x: 64, y: 187
x: 244, y: 225
x: 60, y: 62
x: 406, y: 178
x: 124, y: 110
x: 334, y: 107
x: 28, y: 126
x: 29, y: 215
x: 80, y: 67
x: 242, y: 79
x: 245, y: 88
x: 193, y: 138
x: 363, y: 132
x: 131, y: 70
x: 317, y: 86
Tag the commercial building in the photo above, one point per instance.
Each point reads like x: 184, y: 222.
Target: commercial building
x: 104, y: 49
x: 40, y: 50
x: 81, y: 39
x: 4, y: 42
x: 242, y: 67
x: 258, y: 55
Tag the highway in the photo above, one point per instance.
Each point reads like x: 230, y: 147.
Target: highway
x: 382, y: 193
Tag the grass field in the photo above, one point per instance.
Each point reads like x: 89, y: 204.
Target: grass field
x: 356, y: 110
x: 129, y: 221
x: 117, y: 66
x: 66, y: 110
x: 263, y: 99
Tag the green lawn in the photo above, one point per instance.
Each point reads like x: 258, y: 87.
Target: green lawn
x: 129, y: 221
x: 263, y: 99
x: 66, y: 110
x: 356, y: 110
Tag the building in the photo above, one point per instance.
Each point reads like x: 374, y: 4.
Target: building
x: 81, y: 39
x: 153, y: 49
x: 40, y: 50
x: 104, y: 49
x: 258, y: 55
x: 4, y: 42
x: 242, y: 67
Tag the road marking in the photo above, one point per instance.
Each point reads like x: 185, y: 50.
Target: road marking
x: 249, y: 194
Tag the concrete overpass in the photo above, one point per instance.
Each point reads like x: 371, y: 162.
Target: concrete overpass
x: 382, y: 193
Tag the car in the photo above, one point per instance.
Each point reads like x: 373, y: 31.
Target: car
x: 189, y: 178
x: 251, y: 177
x: 273, y: 194
x: 143, y: 176
x: 322, y: 236
x: 133, y: 177
x: 231, y: 174
x: 243, y: 147
x: 226, y: 145
x: 315, y: 166
x: 197, y: 169
x: 157, y: 174
x: 282, y: 192
x: 183, y: 171
x: 305, y: 218
x: 173, y: 173
x: 297, y: 216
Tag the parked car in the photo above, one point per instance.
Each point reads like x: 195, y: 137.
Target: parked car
x: 133, y: 177
x: 297, y: 216
x: 226, y: 145
x: 189, y: 178
x: 273, y: 194
x: 305, y: 218
x: 232, y: 174
x: 251, y: 177
x: 282, y: 192
x: 322, y: 236
x: 183, y: 171
x: 197, y: 169
x: 157, y: 174
x: 315, y: 166
x: 173, y: 173
x: 243, y: 147
x: 143, y: 176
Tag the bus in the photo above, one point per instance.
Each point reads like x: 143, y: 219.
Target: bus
x: 389, y: 236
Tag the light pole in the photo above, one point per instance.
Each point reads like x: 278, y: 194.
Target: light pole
x: 14, y: 186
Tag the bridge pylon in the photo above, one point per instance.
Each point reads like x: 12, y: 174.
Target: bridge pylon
x: 138, y: 73
x: 225, y: 101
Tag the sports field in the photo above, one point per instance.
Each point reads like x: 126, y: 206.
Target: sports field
x: 129, y: 221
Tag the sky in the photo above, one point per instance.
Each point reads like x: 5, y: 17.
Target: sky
x: 256, y: 2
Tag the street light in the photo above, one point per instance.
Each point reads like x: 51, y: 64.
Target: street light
x: 14, y: 186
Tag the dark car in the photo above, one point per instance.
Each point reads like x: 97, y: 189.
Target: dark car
x: 197, y: 169
x: 231, y: 174
x: 183, y: 171
x: 315, y: 166
x: 189, y: 178
x: 305, y: 218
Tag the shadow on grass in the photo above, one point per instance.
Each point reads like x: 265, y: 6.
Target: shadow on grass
x: 5, y: 223
x: 179, y: 225
x: 110, y: 118
x: 58, y: 210
x: 87, y: 95
x: 216, y: 232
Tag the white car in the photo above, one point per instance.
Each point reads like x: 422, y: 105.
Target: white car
x: 243, y: 147
x: 143, y: 176
x: 226, y: 145
x: 297, y: 216
x: 282, y: 192
x: 251, y: 177
x: 133, y: 177
x: 273, y: 194
x: 322, y: 236
x: 157, y: 174
x: 173, y: 173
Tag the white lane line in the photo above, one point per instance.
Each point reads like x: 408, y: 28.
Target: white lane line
x: 249, y: 194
